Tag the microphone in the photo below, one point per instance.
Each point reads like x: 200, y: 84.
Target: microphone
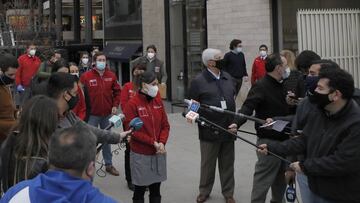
x: 115, y: 121
x: 135, y: 124
x: 278, y: 125
x: 220, y: 110
x: 195, y: 119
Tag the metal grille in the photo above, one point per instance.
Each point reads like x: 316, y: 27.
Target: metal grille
x: 333, y: 34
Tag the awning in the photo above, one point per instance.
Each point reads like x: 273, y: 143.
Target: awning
x: 120, y: 51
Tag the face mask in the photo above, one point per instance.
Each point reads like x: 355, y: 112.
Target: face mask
x: 100, y: 65
x: 220, y: 64
x: 262, y: 53
x: 85, y: 60
x: 5, y: 80
x: 152, y: 90
x: 150, y: 55
x: 75, y: 74
x: 238, y: 49
x: 286, y: 73
x: 321, y: 100
x: 72, y: 101
x: 32, y: 52
x: 311, y: 83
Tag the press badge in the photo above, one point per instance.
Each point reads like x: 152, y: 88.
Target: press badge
x: 223, y: 104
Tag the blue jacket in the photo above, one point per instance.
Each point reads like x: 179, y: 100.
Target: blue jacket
x: 57, y: 187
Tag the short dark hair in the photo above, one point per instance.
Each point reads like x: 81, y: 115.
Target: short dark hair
x: 72, y: 148
x: 59, y: 64
x: 58, y: 83
x: 234, y: 43
x: 326, y: 61
x: 338, y: 80
x: 30, y: 43
x: 97, y: 54
x: 304, y: 60
x: 263, y: 45
x: 139, y: 66
x: 146, y: 77
x: 151, y: 46
x: 7, y: 61
x: 272, y: 61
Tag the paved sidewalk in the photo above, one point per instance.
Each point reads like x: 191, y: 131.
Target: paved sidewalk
x: 184, y: 168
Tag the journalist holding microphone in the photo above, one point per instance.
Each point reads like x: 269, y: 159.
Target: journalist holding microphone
x: 147, y: 145
x: 216, y: 88
x: 330, y: 140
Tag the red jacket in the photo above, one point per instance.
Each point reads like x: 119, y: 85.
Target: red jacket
x: 80, y: 108
x: 258, y: 70
x: 127, y: 93
x: 104, y: 91
x: 28, y: 67
x: 156, y: 126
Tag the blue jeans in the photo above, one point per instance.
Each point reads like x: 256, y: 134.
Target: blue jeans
x: 103, y: 121
x: 307, y: 195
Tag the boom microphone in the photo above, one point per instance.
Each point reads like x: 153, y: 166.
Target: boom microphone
x: 203, y: 121
x: 278, y: 125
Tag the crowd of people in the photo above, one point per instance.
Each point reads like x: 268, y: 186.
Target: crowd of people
x: 61, y: 112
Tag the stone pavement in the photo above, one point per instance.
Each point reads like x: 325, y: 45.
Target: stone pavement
x: 183, y: 164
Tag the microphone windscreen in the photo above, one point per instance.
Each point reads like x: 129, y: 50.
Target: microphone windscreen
x: 136, y: 123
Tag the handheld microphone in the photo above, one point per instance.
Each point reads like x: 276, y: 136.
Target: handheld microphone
x: 115, y: 121
x: 135, y: 124
x: 290, y: 193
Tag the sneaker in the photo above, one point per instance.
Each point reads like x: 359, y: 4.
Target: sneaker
x: 112, y: 170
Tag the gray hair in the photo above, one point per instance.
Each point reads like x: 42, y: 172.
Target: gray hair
x: 209, y: 54
x: 72, y: 148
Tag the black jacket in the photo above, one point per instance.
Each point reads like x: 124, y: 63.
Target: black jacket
x: 267, y: 98
x: 206, y: 89
x: 331, y: 145
x: 235, y: 65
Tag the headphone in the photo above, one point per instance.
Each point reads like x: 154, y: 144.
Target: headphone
x: 290, y: 193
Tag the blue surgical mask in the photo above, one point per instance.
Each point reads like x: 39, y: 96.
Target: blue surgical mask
x: 100, y: 65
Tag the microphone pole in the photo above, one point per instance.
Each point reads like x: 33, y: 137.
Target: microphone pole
x: 220, y: 110
x: 202, y: 119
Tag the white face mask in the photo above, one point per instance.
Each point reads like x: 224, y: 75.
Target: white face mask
x: 286, y: 73
x: 263, y: 53
x: 32, y: 52
x: 152, y: 90
x: 238, y: 49
x: 150, y: 55
x: 85, y: 60
x: 76, y: 74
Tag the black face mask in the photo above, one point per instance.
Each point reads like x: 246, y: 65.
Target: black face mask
x: 220, y: 64
x: 72, y: 101
x: 321, y: 100
x: 5, y: 80
x: 311, y: 83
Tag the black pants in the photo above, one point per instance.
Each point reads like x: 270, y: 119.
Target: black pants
x: 140, y: 191
x: 238, y: 83
x: 127, y: 163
